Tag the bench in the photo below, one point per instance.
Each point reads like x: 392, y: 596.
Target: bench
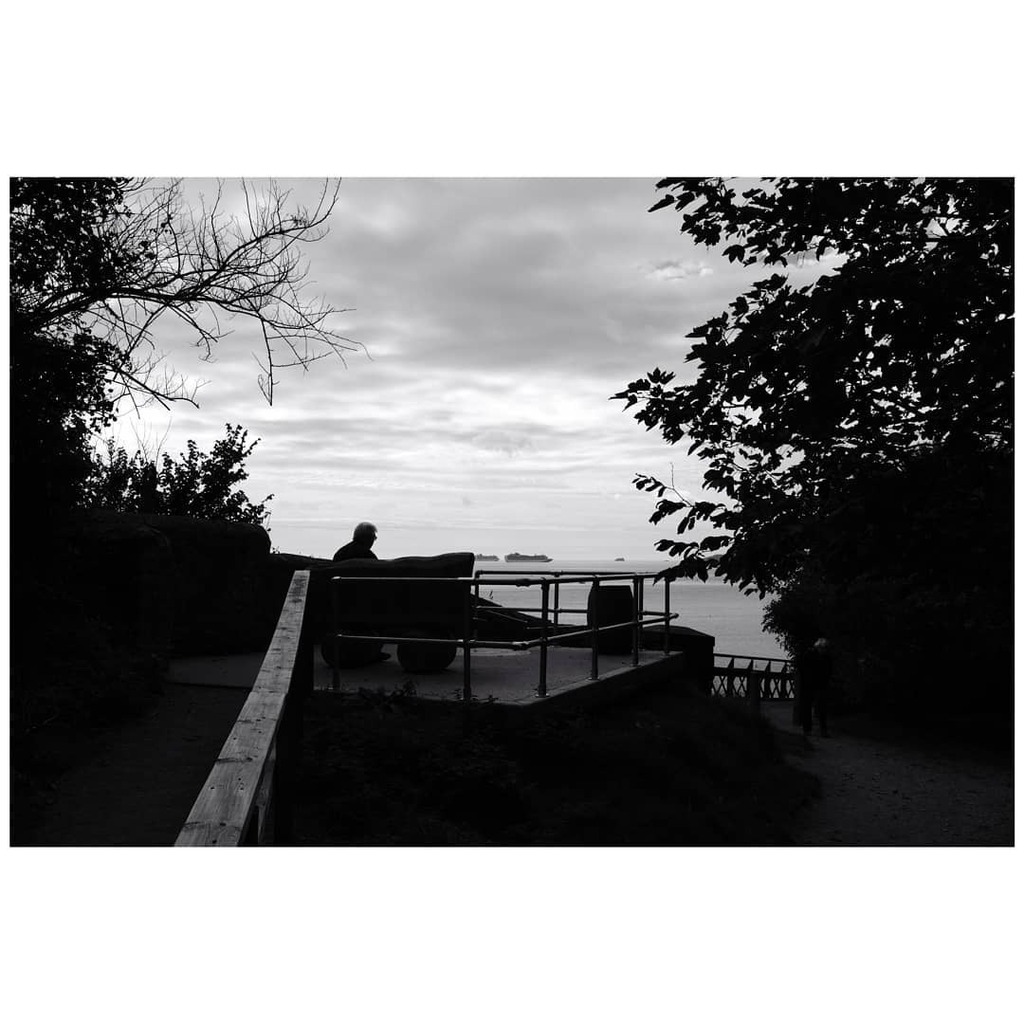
x: 399, y: 597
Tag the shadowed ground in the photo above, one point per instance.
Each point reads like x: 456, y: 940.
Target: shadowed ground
x: 134, y: 784
x: 875, y: 792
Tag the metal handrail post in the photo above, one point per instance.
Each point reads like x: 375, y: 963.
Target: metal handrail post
x: 467, y: 628
x: 542, y: 685
x: 557, y: 604
x: 335, y: 645
x: 637, y: 603
x: 595, y: 591
x: 640, y: 609
x: 667, y: 614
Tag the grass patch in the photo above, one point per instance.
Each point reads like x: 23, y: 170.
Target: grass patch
x: 665, y: 768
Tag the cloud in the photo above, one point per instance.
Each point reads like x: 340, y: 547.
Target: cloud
x: 498, y: 316
x: 679, y: 270
x: 507, y: 442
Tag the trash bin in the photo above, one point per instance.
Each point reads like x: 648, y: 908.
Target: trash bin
x: 608, y: 604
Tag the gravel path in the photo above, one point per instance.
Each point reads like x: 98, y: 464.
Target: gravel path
x: 875, y: 793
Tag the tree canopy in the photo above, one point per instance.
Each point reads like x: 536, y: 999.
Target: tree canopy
x: 203, y: 485
x: 815, y: 404
x: 857, y: 430
x: 111, y: 256
x: 96, y: 263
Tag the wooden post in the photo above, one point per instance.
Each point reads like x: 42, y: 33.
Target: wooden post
x: 285, y: 760
x: 252, y: 831
x: 593, y: 629
x: 305, y: 659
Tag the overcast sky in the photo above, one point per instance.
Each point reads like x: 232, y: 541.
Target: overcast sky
x: 498, y: 316
x: 484, y: 305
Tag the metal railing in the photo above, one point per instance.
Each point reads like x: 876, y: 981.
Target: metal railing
x: 552, y: 633
x: 756, y: 680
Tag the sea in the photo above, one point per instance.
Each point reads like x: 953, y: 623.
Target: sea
x: 724, y: 611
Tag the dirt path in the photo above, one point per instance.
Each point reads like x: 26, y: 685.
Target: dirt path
x: 139, y: 792
x: 875, y: 793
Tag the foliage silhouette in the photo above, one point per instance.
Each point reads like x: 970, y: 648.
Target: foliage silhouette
x: 94, y: 263
x: 857, y: 430
x: 197, y: 484
x: 905, y: 347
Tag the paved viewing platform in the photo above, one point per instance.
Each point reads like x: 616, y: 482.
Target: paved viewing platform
x: 508, y: 677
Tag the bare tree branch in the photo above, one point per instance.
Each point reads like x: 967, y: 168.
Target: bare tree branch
x: 201, y: 265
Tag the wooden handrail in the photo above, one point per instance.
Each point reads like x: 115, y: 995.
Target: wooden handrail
x: 243, y: 800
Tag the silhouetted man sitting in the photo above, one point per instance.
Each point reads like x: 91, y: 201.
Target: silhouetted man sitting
x: 360, y: 545
x: 356, y: 653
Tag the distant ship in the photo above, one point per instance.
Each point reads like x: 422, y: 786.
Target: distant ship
x: 516, y: 557
x: 619, y: 559
x: 486, y: 558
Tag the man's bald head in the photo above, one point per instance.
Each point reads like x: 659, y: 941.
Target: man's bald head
x: 365, y: 533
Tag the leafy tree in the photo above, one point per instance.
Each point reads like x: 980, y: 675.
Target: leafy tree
x: 95, y: 262
x: 197, y: 484
x: 59, y: 396
x: 857, y: 430
x: 902, y: 353
x: 57, y: 404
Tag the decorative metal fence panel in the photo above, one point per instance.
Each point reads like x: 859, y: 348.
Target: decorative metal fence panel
x: 738, y: 675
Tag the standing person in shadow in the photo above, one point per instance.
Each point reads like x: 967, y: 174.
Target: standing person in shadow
x: 360, y: 546
x: 814, y: 670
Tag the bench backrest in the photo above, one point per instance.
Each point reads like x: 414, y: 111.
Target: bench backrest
x: 402, y: 602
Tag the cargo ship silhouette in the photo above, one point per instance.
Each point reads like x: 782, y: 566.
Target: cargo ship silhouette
x: 515, y: 556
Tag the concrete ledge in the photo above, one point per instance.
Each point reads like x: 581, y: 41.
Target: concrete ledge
x: 612, y: 685
x: 510, y: 678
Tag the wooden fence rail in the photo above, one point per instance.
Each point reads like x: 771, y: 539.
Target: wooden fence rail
x: 247, y: 797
